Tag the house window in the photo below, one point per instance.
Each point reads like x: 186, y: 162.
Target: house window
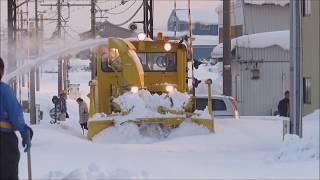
x: 307, y: 90
x: 306, y: 7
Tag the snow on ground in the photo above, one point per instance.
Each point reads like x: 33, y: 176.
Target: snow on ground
x: 248, y: 148
x: 295, y: 149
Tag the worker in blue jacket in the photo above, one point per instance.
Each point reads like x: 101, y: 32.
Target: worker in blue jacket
x: 11, y: 120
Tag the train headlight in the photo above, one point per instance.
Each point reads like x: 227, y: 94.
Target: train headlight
x: 169, y: 88
x: 134, y: 89
x: 167, y: 46
x: 142, y: 36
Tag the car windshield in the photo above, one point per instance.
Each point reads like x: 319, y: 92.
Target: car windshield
x: 217, y: 104
x: 164, y: 61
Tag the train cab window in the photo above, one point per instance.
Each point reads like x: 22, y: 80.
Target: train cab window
x: 158, y: 61
x: 110, y: 61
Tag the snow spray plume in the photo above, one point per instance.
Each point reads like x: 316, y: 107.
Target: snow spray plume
x: 1, y: 68
x: 54, y: 52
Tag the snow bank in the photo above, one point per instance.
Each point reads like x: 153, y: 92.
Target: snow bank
x: 258, y: 40
x: 188, y: 129
x: 295, y: 148
x: 202, y: 114
x: 122, y: 134
x: 315, y: 116
x: 93, y: 171
x: 129, y: 133
x: 204, y: 72
x: 144, y: 104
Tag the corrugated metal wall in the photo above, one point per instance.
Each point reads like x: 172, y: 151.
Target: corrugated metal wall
x: 264, y: 18
x: 260, y: 96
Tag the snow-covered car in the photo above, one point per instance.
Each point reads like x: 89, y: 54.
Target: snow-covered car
x: 223, y: 106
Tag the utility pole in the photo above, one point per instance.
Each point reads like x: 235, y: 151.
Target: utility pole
x: 20, y: 62
x: 60, y: 83
x: 93, y: 18
x: 59, y: 18
x: 175, y: 19
x: 37, y: 44
x: 93, y: 31
x: 227, y: 80
x: 65, y: 71
x: 32, y: 91
x: 148, y: 18
x: 40, y: 40
x: 34, y: 38
x: 296, y: 68
x: 12, y: 37
x: 191, y: 55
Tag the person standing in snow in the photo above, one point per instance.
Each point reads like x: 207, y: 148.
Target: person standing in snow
x: 83, y: 113
x: 11, y: 119
x: 63, y: 107
x: 283, y: 106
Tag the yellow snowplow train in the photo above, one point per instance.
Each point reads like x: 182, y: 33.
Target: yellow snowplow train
x: 122, y: 65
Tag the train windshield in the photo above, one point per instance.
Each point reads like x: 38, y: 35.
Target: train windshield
x: 111, y: 61
x: 154, y: 61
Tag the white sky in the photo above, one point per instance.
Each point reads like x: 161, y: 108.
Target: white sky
x: 80, y: 16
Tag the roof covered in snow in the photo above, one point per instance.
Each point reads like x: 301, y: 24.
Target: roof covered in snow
x: 263, y: 2
x: 200, y: 40
x: 198, y: 16
x: 236, y: 3
x: 259, y: 40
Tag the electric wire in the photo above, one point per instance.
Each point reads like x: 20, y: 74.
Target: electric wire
x: 134, y: 14
x: 123, y: 11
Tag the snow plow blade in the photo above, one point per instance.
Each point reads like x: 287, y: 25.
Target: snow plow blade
x: 95, y: 127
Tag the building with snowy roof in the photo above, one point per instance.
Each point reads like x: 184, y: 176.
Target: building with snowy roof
x: 106, y: 29
x: 260, y: 70
x: 204, y: 22
x: 255, y: 16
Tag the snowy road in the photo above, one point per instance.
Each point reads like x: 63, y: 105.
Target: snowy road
x: 245, y: 148
x: 234, y: 151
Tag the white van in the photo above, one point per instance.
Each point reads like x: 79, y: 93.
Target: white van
x: 222, y: 106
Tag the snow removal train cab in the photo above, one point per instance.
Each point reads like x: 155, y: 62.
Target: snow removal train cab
x: 152, y: 70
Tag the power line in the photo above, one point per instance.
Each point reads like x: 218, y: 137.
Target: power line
x: 123, y: 11
x: 134, y: 14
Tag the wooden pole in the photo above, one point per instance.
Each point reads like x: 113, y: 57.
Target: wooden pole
x: 227, y: 79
